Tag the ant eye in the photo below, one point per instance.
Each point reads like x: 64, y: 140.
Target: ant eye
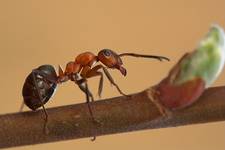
x: 107, y: 53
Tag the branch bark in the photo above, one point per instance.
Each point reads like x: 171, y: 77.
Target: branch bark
x: 117, y: 115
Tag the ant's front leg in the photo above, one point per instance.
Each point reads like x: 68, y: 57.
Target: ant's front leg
x: 112, y: 81
x: 88, y: 73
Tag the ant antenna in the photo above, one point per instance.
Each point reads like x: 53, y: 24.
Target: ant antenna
x: 160, y: 58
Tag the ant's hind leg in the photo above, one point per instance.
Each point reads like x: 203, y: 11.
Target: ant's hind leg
x: 46, y: 131
x: 21, y: 106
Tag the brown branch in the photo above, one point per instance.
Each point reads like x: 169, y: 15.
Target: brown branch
x: 117, y: 115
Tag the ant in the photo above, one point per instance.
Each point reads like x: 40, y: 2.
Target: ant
x: 41, y: 82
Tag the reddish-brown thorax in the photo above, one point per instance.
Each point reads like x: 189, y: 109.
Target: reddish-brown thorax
x: 72, y: 67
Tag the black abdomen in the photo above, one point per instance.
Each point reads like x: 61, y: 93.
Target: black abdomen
x: 36, y: 94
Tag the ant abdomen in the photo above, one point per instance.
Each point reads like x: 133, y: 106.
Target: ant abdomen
x: 39, y: 86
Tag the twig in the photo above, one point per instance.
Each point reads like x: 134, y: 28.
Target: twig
x: 117, y: 115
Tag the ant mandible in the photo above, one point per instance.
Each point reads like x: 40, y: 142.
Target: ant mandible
x: 41, y: 82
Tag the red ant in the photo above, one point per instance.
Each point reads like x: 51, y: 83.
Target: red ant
x: 41, y: 82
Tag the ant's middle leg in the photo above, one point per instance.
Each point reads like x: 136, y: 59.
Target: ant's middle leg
x: 88, y: 72
x: 82, y: 83
x: 84, y: 87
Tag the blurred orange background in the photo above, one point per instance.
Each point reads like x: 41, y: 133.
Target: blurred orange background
x: 33, y: 33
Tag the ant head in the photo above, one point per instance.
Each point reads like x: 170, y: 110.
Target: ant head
x: 112, y: 60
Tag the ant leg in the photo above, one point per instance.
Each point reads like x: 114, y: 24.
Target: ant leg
x: 21, y: 106
x: 94, y: 72
x: 84, y: 87
x: 90, y: 110
x: 112, y: 81
x: 88, y: 72
x: 46, y: 120
x: 88, y: 100
x: 100, y: 87
x: 40, y: 98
